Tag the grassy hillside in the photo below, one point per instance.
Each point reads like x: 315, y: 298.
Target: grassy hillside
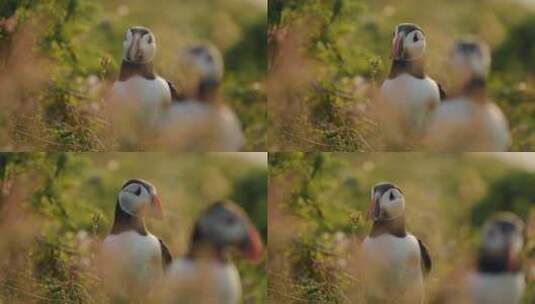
x: 56, y: 208
x: 327, y: 59
x: 317, y: 214
x: 57, y: 59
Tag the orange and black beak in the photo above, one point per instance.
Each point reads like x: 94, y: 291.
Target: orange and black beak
x: 156, y: 207
x: 397, y: 47
x: 252, y: 248
x: 373, y: 210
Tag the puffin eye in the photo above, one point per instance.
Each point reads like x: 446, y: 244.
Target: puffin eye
x: 149, y: 41
x: 138, y: 191
x: 415, y: 39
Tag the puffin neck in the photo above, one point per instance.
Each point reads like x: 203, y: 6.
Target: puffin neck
x: 497, y: 264
x: 130, y: 69
x: 475, y: 88
x: 207, y: 90
x: 395, y: 227
x: 201, y: 247
x: 411, y: 67
x: 125, y: 222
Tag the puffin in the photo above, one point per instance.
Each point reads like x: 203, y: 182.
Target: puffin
x: 498, y: 277
x: 202, y: 122
x: 407, y: 96
x: 138, y: 85
x: 396, y: 260
x: 132, y: 258
x: 206, y: 274
x: 468, y: 121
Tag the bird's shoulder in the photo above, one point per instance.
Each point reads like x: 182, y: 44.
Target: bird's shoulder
x: 407, y: 85
x: 495, y: 112
x: 182, y: 266
x: 457, y: 109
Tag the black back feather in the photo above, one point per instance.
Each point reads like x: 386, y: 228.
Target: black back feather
x: 167, y: 259
x: 425, y: 258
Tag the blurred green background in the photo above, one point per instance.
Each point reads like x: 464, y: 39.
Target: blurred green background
x: 77, y: 49
x: 56, y: 208
x: 317, y: 217
x: 328, y: 57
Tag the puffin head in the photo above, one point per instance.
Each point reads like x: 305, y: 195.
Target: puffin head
x: 138, y: 198
x: 469, y: 59
x: 502, y: 237
x: 387, y: 202
x: 224, y: 225
x: 205, y: 63
x: 408, y: 42
x: 139, y: 45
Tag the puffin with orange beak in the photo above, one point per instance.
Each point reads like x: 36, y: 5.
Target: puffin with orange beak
x: 206, y: 273
x: 138, y: 84
x: 133, y: 258
x: 396, y: 260
x: 408, y: 95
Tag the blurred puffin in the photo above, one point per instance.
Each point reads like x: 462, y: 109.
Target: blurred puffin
x: 397, y: 261
x: 137, y: 83
x: 407, y: 96
x: 133, y: 258
x: 468, y: 121
x: 201, y: 121
x: 206, y: 274
x: 499, y: 278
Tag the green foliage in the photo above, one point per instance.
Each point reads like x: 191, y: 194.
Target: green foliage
x: 66, y: 204
x: 512, y: 192
x: 77, y: 51
x: 341, y: 49
x: 318, y: 216
x: 517, y: 51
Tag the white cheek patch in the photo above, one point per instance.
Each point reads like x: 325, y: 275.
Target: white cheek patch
x: 233, y: 233
x: 393, y: 208
x: 473, y: 63
x: 131, y: 203
x: 517, y: 243
x: 494, y: 244
x: 415, y: 50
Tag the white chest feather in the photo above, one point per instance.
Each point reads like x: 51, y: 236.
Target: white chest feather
x: 406, y: 101
x: 495, y: 288
x: 394, y: 265
x: 151, y: 95
x: 193, y: 125
x: 132, y: 258
x: 203, y: 282
x: 463, y: 125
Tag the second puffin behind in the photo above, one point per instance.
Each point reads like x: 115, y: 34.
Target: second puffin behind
x: 469, y: 122
x: 202, y: 122
x: 498, y: 278
x: 206, y: 274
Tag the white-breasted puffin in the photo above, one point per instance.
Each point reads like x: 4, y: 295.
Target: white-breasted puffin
x: 407, y: 96
x: 498, y: 278
x: 201, y: 121
x: 137, y: 84
x: 396, y: 261
x: 132, y: 258
x: 468, y: 121
x: 206, y: 274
